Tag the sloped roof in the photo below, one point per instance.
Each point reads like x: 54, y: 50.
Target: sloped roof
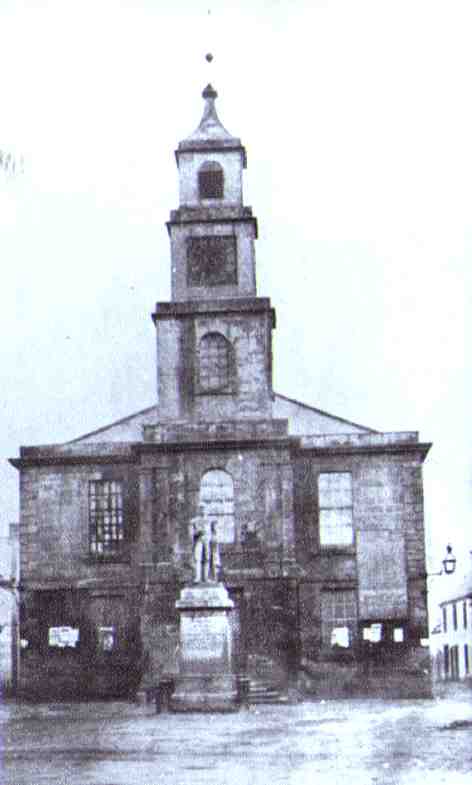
x: 128, y: 429
x: 303, y: 420
x: 210, y: 133
x: 307, y: 420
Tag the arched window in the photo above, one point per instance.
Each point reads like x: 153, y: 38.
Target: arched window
x: 217, y: 497
x: 211, y: 181
x: 215, y: 361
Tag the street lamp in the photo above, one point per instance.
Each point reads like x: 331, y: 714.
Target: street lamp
x: 448, y: 563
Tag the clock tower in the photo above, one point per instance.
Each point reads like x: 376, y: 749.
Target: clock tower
x: 214, y: 337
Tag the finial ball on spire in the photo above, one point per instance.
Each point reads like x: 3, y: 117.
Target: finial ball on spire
x: 209, y: 93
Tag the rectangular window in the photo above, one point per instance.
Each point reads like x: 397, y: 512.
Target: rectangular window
x: 335, y: 508
x: 106, y: 517
x: 444, y: 615
x: 466, y: 659
x: 464, y: 613
x: 338, y: 619
x: 454, y: 615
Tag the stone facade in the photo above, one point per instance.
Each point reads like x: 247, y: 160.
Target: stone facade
x: 320, y: 520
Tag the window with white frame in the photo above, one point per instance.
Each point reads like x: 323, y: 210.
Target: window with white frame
x: 105, y: 517
x: 338, y: 619
x: 335, y: 508
x: 217, y: 497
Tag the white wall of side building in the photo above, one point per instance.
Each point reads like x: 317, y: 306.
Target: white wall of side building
x: 453, y: 641
x: 9, y: 576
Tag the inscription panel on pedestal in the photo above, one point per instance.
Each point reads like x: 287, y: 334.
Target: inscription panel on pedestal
x: 205, y: 637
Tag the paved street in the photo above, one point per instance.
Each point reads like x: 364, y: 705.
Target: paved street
x: 332, y: 743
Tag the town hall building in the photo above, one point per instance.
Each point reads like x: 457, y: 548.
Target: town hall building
x: 319, y: 520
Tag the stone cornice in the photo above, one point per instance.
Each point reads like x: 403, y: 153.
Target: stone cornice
x: 219, y: 444
x: 211, y: 307
x: 219, y: 145
x: 42, y: 458
x: 67, y: 459
x: 216, y: 219
x: 378, y: 449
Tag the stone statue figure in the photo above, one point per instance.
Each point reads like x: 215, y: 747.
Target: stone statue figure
x: 205, y: 550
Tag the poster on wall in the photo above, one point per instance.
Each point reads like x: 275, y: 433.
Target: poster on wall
x: 106, y: 638
x: 63, y: 637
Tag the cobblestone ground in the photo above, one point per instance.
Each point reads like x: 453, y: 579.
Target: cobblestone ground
x: 331, y: 743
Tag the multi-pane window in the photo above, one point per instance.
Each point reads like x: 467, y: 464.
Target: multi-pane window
x: 105, y: 517
x: 214, y: 362
x: 211, y: 181
x: 335, y: 508
x: 338, y: 618
x: 217, y: 497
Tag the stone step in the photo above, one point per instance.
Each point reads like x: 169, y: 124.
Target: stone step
x: 265, y: 692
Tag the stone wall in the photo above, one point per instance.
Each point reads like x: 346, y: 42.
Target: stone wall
x: 275, y: 567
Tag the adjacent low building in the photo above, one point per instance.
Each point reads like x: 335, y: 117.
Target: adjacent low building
x: 452, y: 636
x: 320, y: 519
x: 9, y: 611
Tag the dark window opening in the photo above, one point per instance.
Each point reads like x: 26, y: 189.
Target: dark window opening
x: 211, y: 181
x: 454, y: 615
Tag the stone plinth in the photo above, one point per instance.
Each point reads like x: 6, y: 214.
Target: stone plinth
x: 205, y: 681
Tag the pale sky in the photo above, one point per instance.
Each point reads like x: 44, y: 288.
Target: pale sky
x: 357, y: 121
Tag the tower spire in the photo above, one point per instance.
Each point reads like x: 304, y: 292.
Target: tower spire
x: 210, y: 130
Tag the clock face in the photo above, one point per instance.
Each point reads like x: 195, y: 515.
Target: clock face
x: 211, y: 261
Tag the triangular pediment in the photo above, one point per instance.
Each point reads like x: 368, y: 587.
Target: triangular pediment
x: 303, y: 420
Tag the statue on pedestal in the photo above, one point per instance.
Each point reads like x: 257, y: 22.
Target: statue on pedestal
x: 205, y: 549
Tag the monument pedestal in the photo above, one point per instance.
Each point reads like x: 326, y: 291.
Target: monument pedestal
x: 205, y: 681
